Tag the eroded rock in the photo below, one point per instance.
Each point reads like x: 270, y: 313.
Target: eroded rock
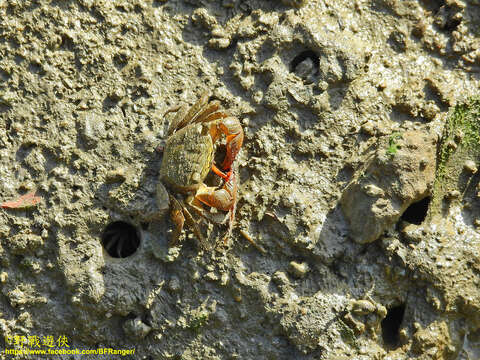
x: 400, y: 172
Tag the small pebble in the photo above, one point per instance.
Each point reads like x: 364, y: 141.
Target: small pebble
x: 93, y: 128
x: 454, y: 194
x: 298, y: 270
x: 114, y: 176
x: 280, y: 278
x: 470, y: 166
x: 136, y: 328
x: 224, y: 279
x: 373, y: 190
x: 195, y: 275
x: 3, y: 277
x: 305, y: 69
x: 451, y: 144
x: 211, y: 276
x: 368, y: 128
x: 174, y: 284
x: 219, y: 43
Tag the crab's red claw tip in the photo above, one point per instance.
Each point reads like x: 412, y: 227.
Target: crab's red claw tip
x: 229, y: 175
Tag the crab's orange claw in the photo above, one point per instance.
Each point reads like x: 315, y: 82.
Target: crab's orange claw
x: 220, y: 173
x: 232, y: 129
x: 218, y: 198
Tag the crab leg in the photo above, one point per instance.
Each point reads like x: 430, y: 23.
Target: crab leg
x: 178, y: 219
x: 181, y: 112
x: 214, y: 116
x: 179, y: 214
x: 202, y: 108
x: 193, y: 224
x: 232, y: 184
x: 204, y: 115
x: 197, y: 108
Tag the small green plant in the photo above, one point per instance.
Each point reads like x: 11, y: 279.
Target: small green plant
x: 464, y: 120
x: 198, y: 320
x: 460, y: 141
x: 393, y: 144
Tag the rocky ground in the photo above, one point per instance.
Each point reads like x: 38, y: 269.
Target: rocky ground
x: 358, y: 178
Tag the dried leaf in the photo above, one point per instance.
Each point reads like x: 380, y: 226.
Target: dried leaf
x: 23, y: 202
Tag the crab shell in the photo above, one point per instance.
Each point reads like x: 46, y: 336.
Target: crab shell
x: 187, y: 158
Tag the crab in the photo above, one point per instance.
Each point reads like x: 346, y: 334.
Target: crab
x: 188, y: 157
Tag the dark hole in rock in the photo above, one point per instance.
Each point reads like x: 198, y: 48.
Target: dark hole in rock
x: 67, y: 43
x: 305, y: 64
x: 416, y: 213
x: 158, y: 3
x: 120, y: 60
x: 397, y: 41
x: 391, y: 326
x: 110, y: 102
x: 452, y: 24
x: 432, y: 6
x: 120, y: 239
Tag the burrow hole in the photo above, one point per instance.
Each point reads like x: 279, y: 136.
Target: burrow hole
x: 417, y: 212
x: 120, y: 239
x: 391, y: 326
x: 305, y: 63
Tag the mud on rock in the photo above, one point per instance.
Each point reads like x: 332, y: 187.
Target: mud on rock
x: 358, y: 176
